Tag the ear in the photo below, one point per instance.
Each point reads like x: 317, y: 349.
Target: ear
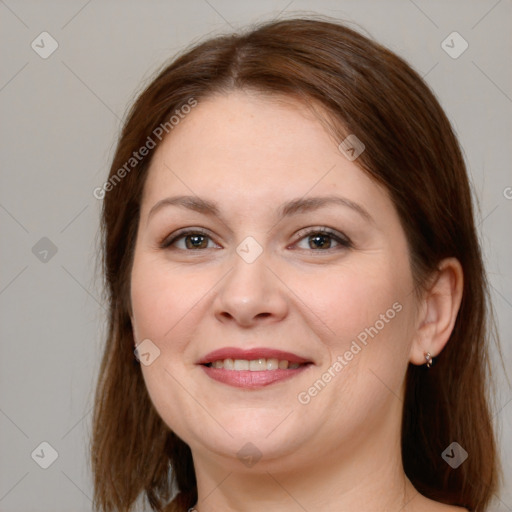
x: 438, y: 311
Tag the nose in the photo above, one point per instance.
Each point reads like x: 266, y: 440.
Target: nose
x: 251, y: 294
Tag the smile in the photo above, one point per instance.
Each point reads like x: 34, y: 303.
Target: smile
x: 254, y: 368
x: 255, y: 365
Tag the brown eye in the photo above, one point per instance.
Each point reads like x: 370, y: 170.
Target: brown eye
x: 193, y: 240
x: 320, y: 241
x: 196, y: 242
x: 323, y: 240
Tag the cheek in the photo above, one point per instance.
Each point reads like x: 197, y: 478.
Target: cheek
x: 359, y: 302
x: 369, y: 313
x: 161, y: 298
x: 163, y: 307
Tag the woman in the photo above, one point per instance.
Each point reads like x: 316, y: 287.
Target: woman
x: 289, y: 247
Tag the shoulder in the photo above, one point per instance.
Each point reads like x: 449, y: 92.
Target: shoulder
x: 427, y: 505
x: 441, y: 507
x: 450, y: 508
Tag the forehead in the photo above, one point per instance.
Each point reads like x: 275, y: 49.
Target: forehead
x: 255, y: 148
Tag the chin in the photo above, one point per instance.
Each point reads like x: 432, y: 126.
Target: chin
x: 263, y: 453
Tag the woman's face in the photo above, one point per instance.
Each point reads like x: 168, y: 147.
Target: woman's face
x: 249, y: 273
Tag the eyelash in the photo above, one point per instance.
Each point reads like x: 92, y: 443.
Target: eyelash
x: 341, y: 239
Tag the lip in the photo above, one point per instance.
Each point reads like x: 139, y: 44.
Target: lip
x: 246, y: 378
x: 251, y: 380
x: 251, y: 354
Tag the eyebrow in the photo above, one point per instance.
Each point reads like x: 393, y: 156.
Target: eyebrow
x: 293, y: 207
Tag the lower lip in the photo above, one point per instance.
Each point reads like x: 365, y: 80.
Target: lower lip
x: 251, y: 380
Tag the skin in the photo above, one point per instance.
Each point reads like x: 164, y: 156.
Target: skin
x: 251, y: 153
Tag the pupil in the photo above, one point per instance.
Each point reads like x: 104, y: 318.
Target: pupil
x: 318, y: 240
x: 195, y: 241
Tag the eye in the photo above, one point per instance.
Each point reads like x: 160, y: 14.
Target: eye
x: 193, y: 240
x: 318, y: 239
x: 321, y: 239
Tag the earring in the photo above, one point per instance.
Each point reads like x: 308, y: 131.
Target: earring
x: 429, y: 359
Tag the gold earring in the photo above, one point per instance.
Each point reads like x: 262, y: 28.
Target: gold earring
x: 428, y: 357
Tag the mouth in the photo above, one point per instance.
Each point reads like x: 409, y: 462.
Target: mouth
x: 254, y: 365
x: 253, y: 368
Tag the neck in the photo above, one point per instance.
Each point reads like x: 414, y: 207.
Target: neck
x: 364, y: 475
x: 320, y: 488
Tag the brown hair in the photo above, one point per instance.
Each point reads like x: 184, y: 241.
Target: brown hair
x: 411, y: 150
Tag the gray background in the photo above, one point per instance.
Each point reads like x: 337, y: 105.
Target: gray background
x: 60, y: 119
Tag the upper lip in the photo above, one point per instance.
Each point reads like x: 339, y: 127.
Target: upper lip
x: 251, y: 354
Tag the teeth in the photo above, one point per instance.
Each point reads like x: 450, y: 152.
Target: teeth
x: 255, y: 365
x: 258, y: 365
x: 240, y: 364
x: 272, y: 364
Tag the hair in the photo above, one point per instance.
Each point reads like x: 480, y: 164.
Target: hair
x: 411, y: 150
